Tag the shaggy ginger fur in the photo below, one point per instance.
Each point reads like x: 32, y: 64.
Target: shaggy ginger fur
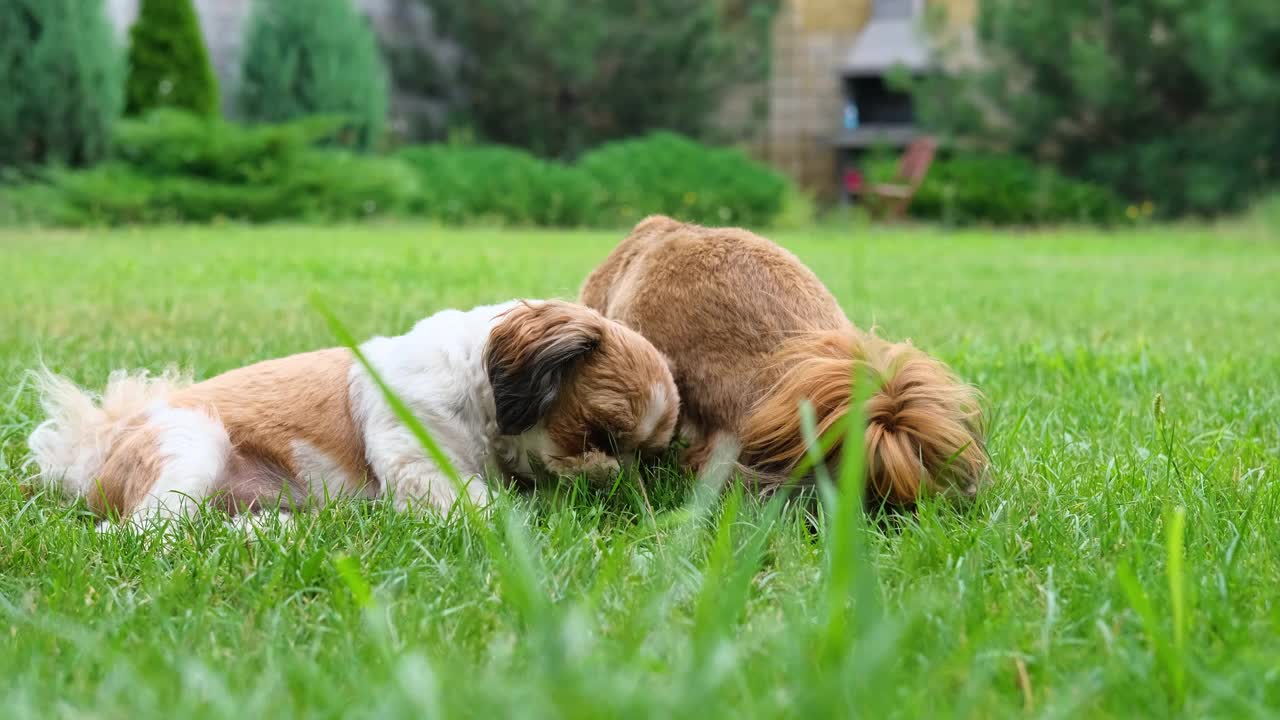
x: 751, y: 333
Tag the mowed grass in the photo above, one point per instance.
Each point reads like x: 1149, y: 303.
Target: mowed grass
x: 1123, y: 561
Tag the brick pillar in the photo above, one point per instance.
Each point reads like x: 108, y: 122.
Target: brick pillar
x: 810, y: 41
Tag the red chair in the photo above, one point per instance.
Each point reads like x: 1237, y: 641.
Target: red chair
x: 891, y: 200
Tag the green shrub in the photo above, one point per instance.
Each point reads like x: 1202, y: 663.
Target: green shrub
x: 116, y: 194
x: 462, y: 183
x: 335, y: 185
x: 322, y: 185
x: 36, y: 203
x: 1001, y: 190
x: 60, y: 82
x: 613, y: 186
x: 168, y: 142
x: 175, y: 167
x: 313, y: 58
x: 669, y: 174
x: 168, y: 62
x: 171, y: 166
x: 112, y: 194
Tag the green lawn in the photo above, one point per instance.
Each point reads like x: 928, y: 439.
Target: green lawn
x: 1129, y: 374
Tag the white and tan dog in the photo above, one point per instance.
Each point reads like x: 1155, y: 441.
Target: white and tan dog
x: 501, y: 388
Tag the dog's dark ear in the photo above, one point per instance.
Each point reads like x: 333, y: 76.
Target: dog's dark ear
x: 531, y: 351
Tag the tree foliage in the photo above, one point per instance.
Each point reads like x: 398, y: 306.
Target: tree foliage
x: 1170, y: 101
x: 168, y: 62
x: 60, y: 82
x: 313, y: 57
x: 560, y: 76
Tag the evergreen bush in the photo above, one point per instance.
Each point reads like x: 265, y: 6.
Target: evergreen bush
x: 60, y: 82
x: 168, y: 62
x: 171, y: 166
x: 314, y: 57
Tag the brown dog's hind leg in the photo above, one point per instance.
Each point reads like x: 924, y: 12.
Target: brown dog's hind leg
x: 712, y: 454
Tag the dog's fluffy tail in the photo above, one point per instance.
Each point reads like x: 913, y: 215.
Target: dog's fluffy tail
x: 71, y: 445
x: 924, y: 426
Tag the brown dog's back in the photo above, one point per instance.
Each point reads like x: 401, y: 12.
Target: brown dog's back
x: 706, y: 298
x: 751, y: 333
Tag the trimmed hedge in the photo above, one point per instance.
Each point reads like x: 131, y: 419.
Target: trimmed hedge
x: 331, y: 185
x: 37, y: 204
x: 461, y: 184
x: 171, y: 166
x: 175, y: 167
x: 670, y: 174
x: 613, y: 186
x: 174, y: 143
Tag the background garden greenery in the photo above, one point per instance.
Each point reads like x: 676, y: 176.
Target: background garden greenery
x: 1168, y: 102
x: 572, y: 75
x: 597, y: 115
x: 174, y: 167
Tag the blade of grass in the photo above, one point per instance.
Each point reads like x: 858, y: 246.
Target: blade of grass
x: 349, y: 571
x: 517, y: 565
x: 732, y: 563
x: 1176, y: 570
x: 848, y: 573
x: 815, y: 448
x: 1141, y: 604
x: 817, y: 452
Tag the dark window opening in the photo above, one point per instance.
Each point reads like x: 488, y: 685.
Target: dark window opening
x: 879, y: 104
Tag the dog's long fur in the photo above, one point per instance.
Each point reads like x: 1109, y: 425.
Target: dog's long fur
x: 751, y: 333
x: 506, y: 387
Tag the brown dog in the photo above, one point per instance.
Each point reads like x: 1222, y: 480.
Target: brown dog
x: 751, y: 333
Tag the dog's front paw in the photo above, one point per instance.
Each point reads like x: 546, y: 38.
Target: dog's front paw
x: 443, y: 496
